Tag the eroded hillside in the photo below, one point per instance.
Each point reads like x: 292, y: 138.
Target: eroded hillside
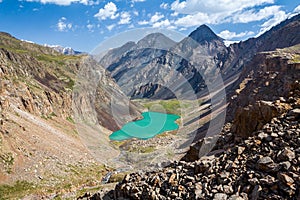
x: 43, y: 93
x: 257, y: 153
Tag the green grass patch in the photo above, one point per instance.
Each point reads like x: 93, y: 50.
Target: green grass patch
x: 8, y: 160
x: 50, y: 58
x: 70, y: 119
x: 14, y: 49
x: 172, y: 106
x: 91, y: 190
x: 49, y: 116
x: 118, y: 177
x: 296, y: 58
x: 70, y: 83
x: 140, y: 149
x: 18, y: 190
x: 146, y: 149
x: 77, y: 176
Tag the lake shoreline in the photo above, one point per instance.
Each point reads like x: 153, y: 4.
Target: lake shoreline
x: 152, y: 124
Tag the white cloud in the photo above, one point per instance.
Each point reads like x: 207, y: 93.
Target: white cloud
x: 109, y: 11
x: 131, y: 26
x: 276, y: 19
x: 136, y: 13
x: 133, y: 1
x: 197, y: 12
x: 297, y: 9
x: 226, y: 34
x: 164, y: 24
x: 156, y: 17
x: 164, y: 6
x: 125, y: 18
x: 176, y: 5
x: 174, y: 14
x: 157, y: 22
x: 144, y: 22
x: 216, y: 6
x: 90, y: 27
x: 194, y: 20
x: 66, y: 2
x: 252, y: 15
x: 295, y: 12
x: 161, y: 24
x: 90, y: 2
x: 62, y: 25
x: 110, y: 27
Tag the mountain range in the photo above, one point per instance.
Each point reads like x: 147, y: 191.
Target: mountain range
x: 57, y: 111
x: 63, y: 50
x: 144, y: 71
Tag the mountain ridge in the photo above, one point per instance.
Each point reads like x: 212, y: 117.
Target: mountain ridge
x: 207, y: 51
x: 49, y: 120
x: 204, y: 33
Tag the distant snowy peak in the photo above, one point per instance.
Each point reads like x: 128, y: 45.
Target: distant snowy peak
x: 63, y: 50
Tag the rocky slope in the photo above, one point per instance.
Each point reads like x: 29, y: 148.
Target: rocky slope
x: 131, y: 63
x: 197, y: 60
x: 153, y: 40
x: 240, y: 54
x: 153, y: 67
x: 257, y: 153
x: 264, y: 166
x: 269, y: 77
x: 42, y: 94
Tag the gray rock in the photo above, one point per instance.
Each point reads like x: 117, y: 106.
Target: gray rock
x: 265, y: 163
x: 286, y: 155
x: 240, y: 150
x: 255, y: 192
x: 126, y: 178
x: 253, y: 181
x: 268, y: 180
x: 295, y: 113
x: 286, y: 165
x: 220, y: 196
x: 235, y: 197
x: 286, y: 179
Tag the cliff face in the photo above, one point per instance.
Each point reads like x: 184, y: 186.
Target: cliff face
x: 31, y: 85
x: 42, y: 94
x: 147, y: 71
x: 154, y: 66
x: 268, y: 85
x: 256, y: 155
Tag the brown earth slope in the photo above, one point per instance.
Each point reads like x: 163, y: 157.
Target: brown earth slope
x: 42, y: 94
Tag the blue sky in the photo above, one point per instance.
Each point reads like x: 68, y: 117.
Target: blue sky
x: 83, y: 24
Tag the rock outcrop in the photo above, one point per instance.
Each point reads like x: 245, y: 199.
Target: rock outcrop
x: 256, y: 155
x: 153, y: 67
x: 42, y: 95
x: 267, y: 87
x: 264, y: 166
x: 153, y: 71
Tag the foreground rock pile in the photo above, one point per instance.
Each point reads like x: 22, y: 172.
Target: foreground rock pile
x: 265, y: 166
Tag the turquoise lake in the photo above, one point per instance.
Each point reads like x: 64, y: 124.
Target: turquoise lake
x: 153, y: 123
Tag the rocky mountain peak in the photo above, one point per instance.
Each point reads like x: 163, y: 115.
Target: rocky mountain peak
x: 156, y: 40
x: 204, y: 33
